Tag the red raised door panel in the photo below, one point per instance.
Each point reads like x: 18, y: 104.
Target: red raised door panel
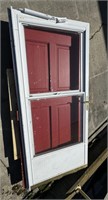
x: 37, y: 59
x: 41, y: 127
x: 61, y: 123
x: 63, y: 68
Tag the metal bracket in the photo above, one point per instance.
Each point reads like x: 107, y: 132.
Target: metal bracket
x: 87, y: 174
x: 87, y: 102
x: 79, y: 190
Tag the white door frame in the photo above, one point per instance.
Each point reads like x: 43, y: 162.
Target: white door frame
x: 54, y: 158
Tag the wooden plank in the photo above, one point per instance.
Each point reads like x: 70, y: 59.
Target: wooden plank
x: 87, y: 174
x: 13, y: 114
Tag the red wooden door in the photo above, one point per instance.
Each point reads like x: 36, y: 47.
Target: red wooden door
x: 48, y: 59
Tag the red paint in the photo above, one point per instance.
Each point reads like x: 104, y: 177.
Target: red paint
x: 51, y: 122
x: 44, y: 36
x: 41, y: 127
x: 48, y: 60
x: 61, y: 124
x: 63, y: 68
x: 37, y: 58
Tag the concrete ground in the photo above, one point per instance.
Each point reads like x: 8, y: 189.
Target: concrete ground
x: 106, y: 197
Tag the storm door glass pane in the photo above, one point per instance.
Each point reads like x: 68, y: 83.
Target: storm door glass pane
x: 57, y: 122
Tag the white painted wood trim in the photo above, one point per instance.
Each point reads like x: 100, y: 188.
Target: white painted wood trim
x: 86, y: 88
x: 22, y: 95
x: 69, y: 158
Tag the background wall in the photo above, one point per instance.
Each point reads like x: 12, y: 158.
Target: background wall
x: 93, y: 12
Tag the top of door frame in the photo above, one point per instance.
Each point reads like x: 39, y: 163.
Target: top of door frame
x: 67, y: 24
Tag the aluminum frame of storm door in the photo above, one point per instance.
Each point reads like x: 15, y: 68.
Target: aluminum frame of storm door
x: 18, y: 21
